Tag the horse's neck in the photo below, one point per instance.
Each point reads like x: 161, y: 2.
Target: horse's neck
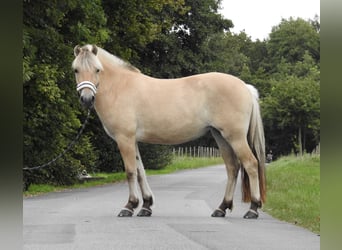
x: 115, y: 77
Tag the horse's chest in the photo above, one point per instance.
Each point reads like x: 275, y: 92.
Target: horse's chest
x: 108, y: 132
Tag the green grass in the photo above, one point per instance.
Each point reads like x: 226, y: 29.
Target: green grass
x: 178, y: 163
x: 38, y: 189
x: 181, y: 163
x: 293, y: 191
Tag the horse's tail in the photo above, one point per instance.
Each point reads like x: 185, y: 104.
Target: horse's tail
x: 256, y: 141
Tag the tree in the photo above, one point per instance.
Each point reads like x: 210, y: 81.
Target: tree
x: 292, y: 108
x: 223, y: 52
x: 51, y: 110
x: 134, y: 24
x: 178, y: 49
x: 290, y: 39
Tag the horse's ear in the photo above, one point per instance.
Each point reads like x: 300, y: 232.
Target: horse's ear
x: 77, y: 50
x: 94, y: 50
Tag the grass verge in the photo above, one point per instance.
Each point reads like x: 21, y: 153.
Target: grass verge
x: 178, y: 163
x: 293, y: 191
x: 182, y: 163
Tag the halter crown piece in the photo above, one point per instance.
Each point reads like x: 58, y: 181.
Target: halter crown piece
x: 86, y: 84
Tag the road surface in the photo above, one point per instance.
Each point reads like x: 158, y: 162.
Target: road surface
x: 86, y: 219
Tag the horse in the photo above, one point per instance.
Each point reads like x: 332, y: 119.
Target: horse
x: 134, y: 107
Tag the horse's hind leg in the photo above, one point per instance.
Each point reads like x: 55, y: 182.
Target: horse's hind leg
x: 250, y: 165
x: 232, y: 167
x: 145, y: 188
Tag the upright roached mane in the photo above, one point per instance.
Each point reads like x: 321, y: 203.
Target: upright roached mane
x: 134, y: 107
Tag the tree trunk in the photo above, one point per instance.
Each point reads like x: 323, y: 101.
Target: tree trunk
x: 300, y: 145
x: 304, y: 140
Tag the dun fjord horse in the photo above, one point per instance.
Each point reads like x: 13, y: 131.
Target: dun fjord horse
x: 136, y: 108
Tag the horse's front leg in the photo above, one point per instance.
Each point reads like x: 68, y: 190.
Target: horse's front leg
x: 232, y: 167
x: 127, y: 149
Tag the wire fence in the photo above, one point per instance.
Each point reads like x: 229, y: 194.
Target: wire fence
x: 209, y: 152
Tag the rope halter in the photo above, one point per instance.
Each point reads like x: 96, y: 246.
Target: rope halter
x: 86, y: 84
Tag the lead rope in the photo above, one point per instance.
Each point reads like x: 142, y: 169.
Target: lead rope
x: 71, y: 144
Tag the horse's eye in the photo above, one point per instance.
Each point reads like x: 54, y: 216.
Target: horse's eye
x: 76, y: 71
x: 97, y: 70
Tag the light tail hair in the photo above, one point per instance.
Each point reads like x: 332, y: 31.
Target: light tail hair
x: 256, y: 141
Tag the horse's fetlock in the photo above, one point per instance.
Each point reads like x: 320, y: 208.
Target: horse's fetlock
x: 132, y: 204
x: 226, y: 204
x: 255, y: 205
x: 148, y: 202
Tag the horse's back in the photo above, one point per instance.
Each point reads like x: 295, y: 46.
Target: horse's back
x: 219, y: 92
x: 213, y: 82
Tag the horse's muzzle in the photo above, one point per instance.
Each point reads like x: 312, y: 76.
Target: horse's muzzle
x: 87, y: 92
x: 87, y: 100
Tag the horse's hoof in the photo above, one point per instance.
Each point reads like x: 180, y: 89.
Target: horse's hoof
x: 125, y: 213
x: 251, y: 214
x: 144, y: 212
x: 218, y: 213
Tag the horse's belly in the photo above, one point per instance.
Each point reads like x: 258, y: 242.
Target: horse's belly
x: 171, y: 134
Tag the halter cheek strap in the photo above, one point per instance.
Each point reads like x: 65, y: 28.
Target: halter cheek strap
x: 86, y: 84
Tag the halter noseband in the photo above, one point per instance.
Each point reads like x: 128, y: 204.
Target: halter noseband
x: 86, y: 84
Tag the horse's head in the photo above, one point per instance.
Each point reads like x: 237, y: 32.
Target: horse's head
x: 87, y: 68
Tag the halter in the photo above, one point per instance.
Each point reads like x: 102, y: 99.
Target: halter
x: 87, y: 84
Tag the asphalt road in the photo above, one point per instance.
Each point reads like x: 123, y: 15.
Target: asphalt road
x: 86, y: 219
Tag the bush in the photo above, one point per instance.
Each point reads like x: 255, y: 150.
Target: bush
x: 155, y: 156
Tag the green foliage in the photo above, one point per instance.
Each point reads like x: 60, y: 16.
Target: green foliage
x: 216, y: 51
x: 51, y: 114
x: 292, y: 104
x: 155, y: 156
x: 179, y: 50
x: 134, y: 23
x: 291, y: 39
x: 291, y: 108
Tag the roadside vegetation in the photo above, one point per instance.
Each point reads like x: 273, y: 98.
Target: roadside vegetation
x: 178, y: 163
x: 293, y: 188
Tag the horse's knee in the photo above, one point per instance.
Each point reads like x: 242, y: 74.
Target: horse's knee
x: 131, y: 175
